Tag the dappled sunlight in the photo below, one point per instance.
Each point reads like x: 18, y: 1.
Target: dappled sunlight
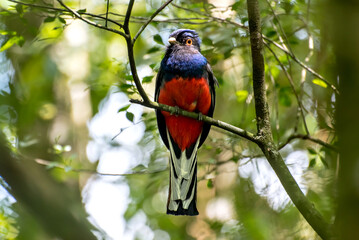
x: 266, y: 183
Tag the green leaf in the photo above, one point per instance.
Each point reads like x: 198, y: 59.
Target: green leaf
x: 124, y: 108
x: 244, y: 19
x: 129, y: 77
x: 242, y: 95
x: 158, y: 39
x: 147, y: 79
x: 49, y: 19
x: 210, y: 183
x: 130, y: 116
x: 19, y: 40
x: 19, y: 9
x: 320, y: 83
x: 312, y: 151
x: 62, y: 20
x: 153, y: 49
x: 237, y: 6
x: 312, y: 162
x: 81, y: 11
x: 271, y: 33
x: 125, y: 87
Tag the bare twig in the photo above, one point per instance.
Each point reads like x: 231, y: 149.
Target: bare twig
x: 65, y: 10
x: 307, y: 137
x: 77, y: 15
x: 107, y: 8
x: 301, y: 107
x: 67, y: 168
x: 150, y: 20
x: 286, y: 44
x: 303, y: 65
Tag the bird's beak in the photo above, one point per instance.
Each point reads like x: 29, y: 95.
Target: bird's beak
x: 172, y: 40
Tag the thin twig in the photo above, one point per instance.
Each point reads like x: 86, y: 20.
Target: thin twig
x: 66, y: 168
x: 303, y: 65
x: 286, y: 44
x: 150, y: 20
x: 76, y: 14
x: 307, y: 137
x: 212, y: 17
x: 65, y: 10
x: 107, y: 8
x: 301, y: 107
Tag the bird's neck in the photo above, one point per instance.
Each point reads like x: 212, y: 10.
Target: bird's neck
x: 185, y: 64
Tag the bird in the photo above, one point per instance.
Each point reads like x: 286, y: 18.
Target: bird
x: 185, y: 81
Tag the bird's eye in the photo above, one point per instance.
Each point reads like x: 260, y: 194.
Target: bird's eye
x: 189, y: 42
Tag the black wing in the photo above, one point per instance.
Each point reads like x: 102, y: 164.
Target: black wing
x: 161, y: 123
x: 212, y: 81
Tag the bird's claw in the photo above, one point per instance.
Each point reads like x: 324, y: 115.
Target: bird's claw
x: 176, y: 111
x: 200, y: 116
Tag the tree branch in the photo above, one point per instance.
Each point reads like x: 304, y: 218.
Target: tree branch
x: 266, y: 143
x: 107, y: 8
x: 77, y: 15
x: 301, y: 107
x: 150, y: 20
x: 66, y: 168
x: 238, y: 131
x: 301, y: 63
x: 67, y: 11
x: 127, y: 17
x: 310, y: 138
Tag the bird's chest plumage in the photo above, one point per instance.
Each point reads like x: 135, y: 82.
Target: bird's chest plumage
x: 188, y: 93
x: 185, y: 64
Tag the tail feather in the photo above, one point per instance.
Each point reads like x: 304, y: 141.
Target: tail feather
x: 183, y: 181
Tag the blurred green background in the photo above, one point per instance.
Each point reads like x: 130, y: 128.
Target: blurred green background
x: 64, y: 91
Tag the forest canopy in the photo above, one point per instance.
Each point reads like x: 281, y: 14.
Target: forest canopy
x: 81, y: 156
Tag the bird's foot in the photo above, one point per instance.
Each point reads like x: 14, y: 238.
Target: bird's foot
x: 176, y: 111
x: 200, y: 116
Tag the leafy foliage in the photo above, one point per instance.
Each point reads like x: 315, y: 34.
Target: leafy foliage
x: 61, y: 73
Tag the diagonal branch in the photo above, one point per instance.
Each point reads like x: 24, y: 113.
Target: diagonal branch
x: 301, y: 107
x: 77, y: 15
x: 150, y: 20
x: 66, y: 11
x: 314, y: 73
x: 66, y: 168
x: 310, y: 138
